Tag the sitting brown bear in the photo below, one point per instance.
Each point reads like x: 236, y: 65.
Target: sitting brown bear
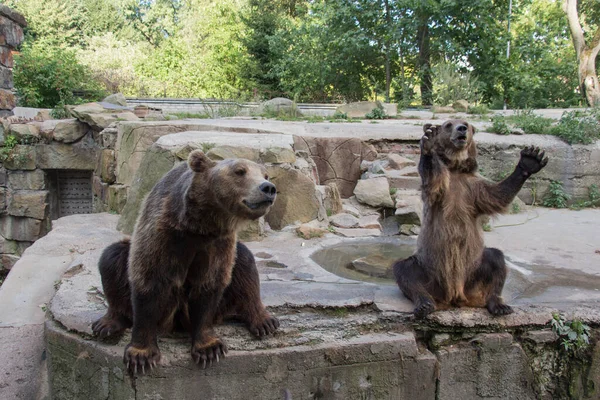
x: 451, y: 266
x: 184, y: 267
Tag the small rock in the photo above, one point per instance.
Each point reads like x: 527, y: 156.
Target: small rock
x: 408, y: 215
x: 344, y: 221
x: 369, y: 222
x: 264, y: 255
x: 517, y: 131
x: 377, y: 167
x: 309, y: 231
x: 409, y: 171
x: 409, y: 229
x: 365, y: 165
x: 396, y: 161
x: 358, y: 232
x: 330, y: 197
x: 374, y: 192
x: 440, y: 339
x: 374, y: 265
x: 347, y: 208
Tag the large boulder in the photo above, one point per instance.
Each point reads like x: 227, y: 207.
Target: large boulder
x: 297, y: 198
x: 101, y: 115
x: 279, y: 106
x: 116, y: 98
x: 68, y: 130
x: 338, y: 159
x: 374, y: 192
x: 25, y: 133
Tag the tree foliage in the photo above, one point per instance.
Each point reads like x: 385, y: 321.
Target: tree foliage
x: 407, y: 51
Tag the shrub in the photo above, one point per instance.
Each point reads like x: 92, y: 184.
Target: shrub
x: 531, y: 123
x: 339, y: 115
x: 46, y: 77
x: 376, y: 113
x: 578, y: 127
x: 556, y: 196
x: 500, y: 126
x: 449, y: 85
x: 480, y: 109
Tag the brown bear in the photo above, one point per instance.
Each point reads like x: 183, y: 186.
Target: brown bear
x: 451, y: 266
x: 183, y: 267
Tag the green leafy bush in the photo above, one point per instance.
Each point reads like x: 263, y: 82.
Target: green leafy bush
x: 500, y: 126
x: 574, y: 336
x: 531, y: 123
x: 47, y: 77
x: 480, y: 109
x: 340, y: 115
x: 578, y: 126
x: 450, y: 84
x: 556, y: 196
x: 376, y: 113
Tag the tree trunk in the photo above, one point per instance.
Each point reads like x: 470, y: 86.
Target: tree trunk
x: 588, y: 77
x: 388, y: 72
x: 586, y: 55
x: 424, y: 62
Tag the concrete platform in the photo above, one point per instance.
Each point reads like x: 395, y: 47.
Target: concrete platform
x: 339, y: 339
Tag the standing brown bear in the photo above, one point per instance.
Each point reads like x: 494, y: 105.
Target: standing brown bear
x: 184, y: 267
x: 451, y: 266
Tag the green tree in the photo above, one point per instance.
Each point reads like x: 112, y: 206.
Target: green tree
x: 587, y: 45
x: 47, y: 76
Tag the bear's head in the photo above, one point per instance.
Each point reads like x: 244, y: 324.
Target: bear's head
x: 453, y: 141
x: 240, y: 187
x: 454, y: 134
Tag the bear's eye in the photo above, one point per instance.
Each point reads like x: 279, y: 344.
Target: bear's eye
x: 240, y: 172
x: 266, y: 177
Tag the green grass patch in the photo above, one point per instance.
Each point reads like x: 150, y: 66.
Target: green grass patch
x: 183, y: 115
x: 574, y: 127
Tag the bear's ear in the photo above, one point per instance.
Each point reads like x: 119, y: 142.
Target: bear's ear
x: 198, y: 161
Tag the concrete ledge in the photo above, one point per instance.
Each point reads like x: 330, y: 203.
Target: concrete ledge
x: 378, y: 365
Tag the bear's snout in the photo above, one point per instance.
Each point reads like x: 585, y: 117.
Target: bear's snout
x: 268, y: 189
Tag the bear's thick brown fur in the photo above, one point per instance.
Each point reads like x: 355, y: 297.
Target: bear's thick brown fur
x: 184, y: 267
x: 451, y: 266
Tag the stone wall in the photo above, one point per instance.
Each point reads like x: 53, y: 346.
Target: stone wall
x: 11, y: 36
x: 31, y: 155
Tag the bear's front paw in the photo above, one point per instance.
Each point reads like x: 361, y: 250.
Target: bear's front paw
x: 532, y: 160
x: 423, y: 308
x: 107, y: 326
x: 208, y: 350
x: 427, y: 140
x: 265, y: 326
x: 139, y: 357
